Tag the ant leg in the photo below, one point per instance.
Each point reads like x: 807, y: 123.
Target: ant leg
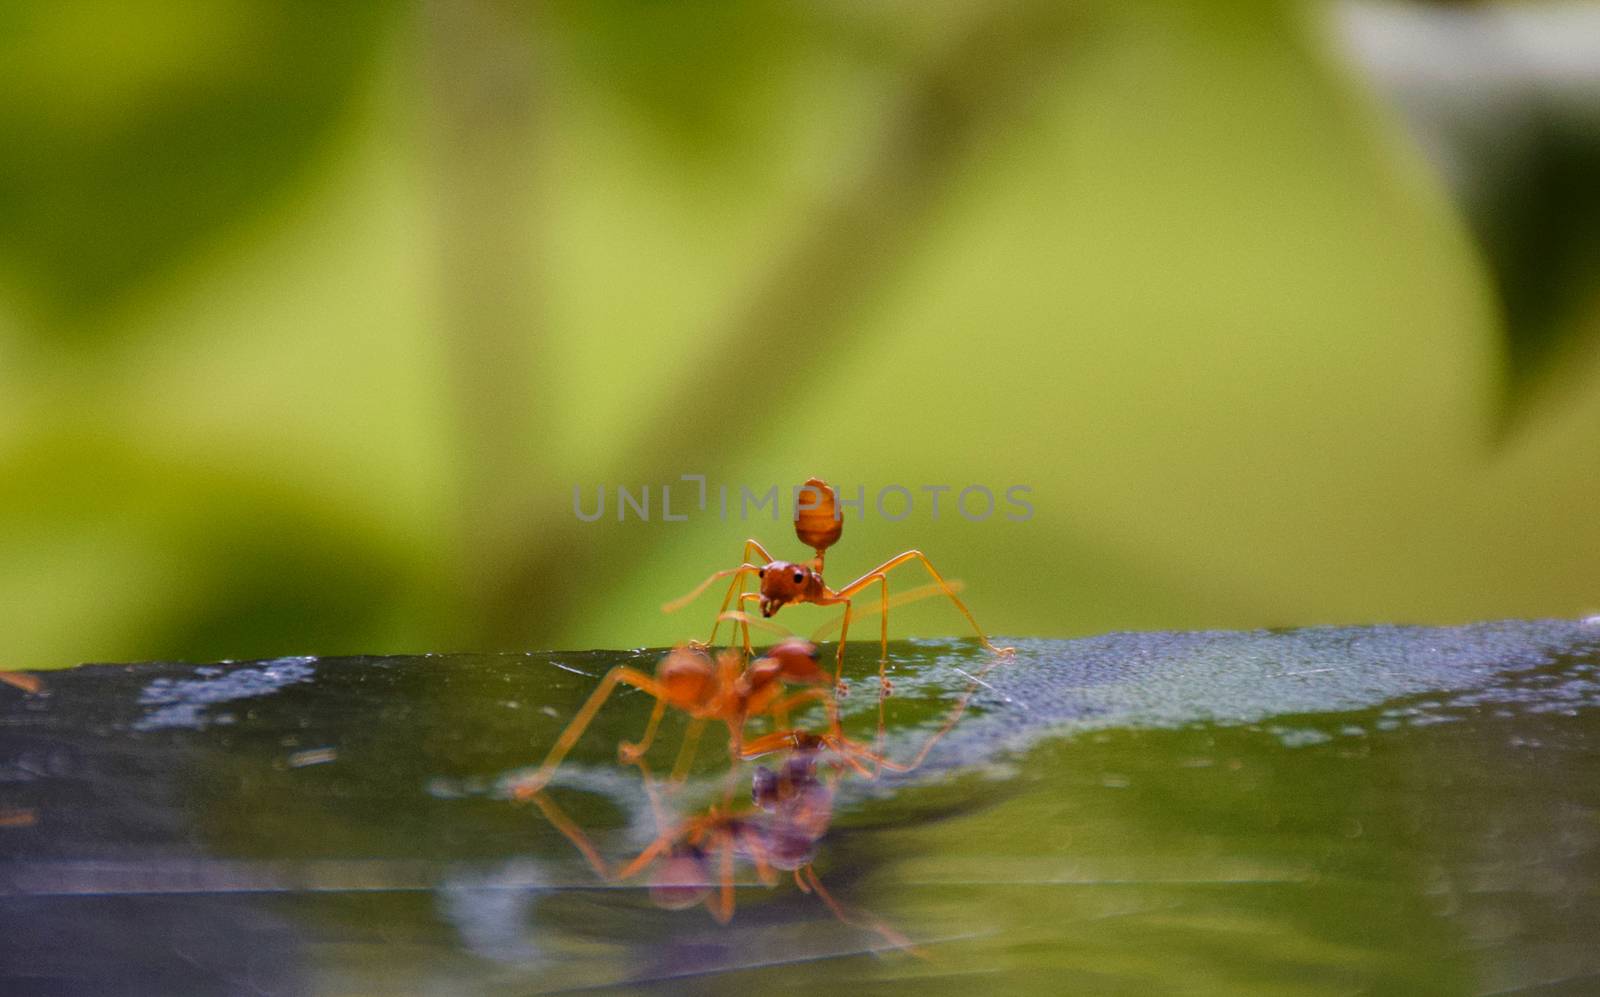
x: 890, y: 935
x: 629, y: 753
x: 961, y: 705
x: 524, y: 789
x: 839, y: 686
x: 738, y: 585
x: 766, y: 744
x: 635, y: 755
x: 785, y: 736
x: 664, y: 842
x: 744, y: 621
x: 840, y: 689
x: 686, y: 753
x: 723, y: 911
x: 747, y: 621
x: 730, y: 786
x: 784, y: 741
x: 904, y: 598
x: 568, y: 827
x: 804, y: 696
x: 911, y: 555
x: 950, y: 721
x: 846, y: 749
x: 850, y: 751
x: 758, y: 857
x: 735, y: 586
x: 648, y: 779
x: 884, y: 686
x: 684, y: 600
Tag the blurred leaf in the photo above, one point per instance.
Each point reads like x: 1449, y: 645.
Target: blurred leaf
x: 114, y: 555
x: 692, y: 74
x: 1503, y: 99
x: 1541, y: 234
x: 133, y: 133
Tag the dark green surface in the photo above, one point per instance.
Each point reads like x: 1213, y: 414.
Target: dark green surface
x: 1383, y: 810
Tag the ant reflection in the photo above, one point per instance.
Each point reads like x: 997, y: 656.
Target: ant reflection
x: 693, y: 860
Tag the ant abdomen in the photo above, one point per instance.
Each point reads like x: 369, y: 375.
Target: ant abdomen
x: 816, y: 515
x: 681, y: 880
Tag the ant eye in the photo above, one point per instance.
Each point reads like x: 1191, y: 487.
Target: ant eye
x: 761, y: 572
x: 799, y: 576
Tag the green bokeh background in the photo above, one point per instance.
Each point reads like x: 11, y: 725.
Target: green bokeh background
x: 312, y: 316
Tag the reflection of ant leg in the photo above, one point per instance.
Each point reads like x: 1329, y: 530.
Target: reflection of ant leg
x: 651, y: 852
x: 890, y: 935
x: 780, y: 707
x: 783, y: 705
x: 647, y: 779
x: 751, y: 841
x: 849, y: 752
x: 568, y: 827
x: 633, y: 754
x: 723, y: 911
x: 746, y: 621
x: 664, y: 841
x: 949, y: 722
x: 910, y: 555
x: 692, y: 834
x: 525, y: 788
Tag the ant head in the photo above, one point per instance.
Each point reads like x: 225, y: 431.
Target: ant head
x: 781, y: 583
x: 798, y: 660
x: 687, y: 676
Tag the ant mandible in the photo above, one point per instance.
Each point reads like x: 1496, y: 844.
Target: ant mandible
x: 818, y: 525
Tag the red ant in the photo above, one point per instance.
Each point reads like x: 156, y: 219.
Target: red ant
x: 819, y: 526
x: 727, y: 690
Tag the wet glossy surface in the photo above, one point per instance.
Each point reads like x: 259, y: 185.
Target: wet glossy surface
x: 1322, y: 812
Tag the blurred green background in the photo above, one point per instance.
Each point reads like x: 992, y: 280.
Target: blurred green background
x: 311, y: 316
